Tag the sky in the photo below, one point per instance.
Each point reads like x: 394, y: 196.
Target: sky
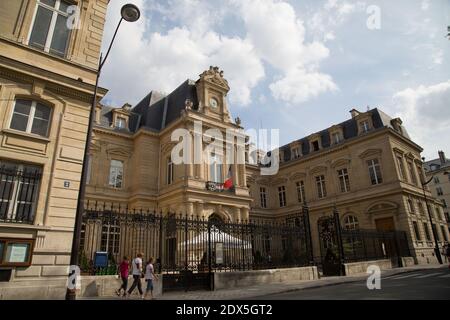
x: 297, y: 66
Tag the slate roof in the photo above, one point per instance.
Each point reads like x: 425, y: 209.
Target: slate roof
x: 350, y: 130
x: 156, y: 110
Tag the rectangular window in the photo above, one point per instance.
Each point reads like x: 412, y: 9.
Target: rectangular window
x: 439, y: 191
x: 344, y: 180
x: 301, y: 191
x: 31, y: 117
x: 436, y: 180
x: 321, y: 188
x: 336, y: 138
x: 427, y: 231
x: 116, y: 174
x: 315, y: 145
x: 296, y: 153
x: 421, y: 207
x: 215, y: 168
x: 51, y: 31
x: 121, y: 123
x: 110, y: 238
x: 444, y: 203
x: 444, y: 234
x: 416, y: 231
x: 375, y: 171
x: 401, y: 168
x: 364, y: 125
x: 19, y: 189
x: 263, y: 197
x: 410, y: 205
x: 170, y: 170
x: 282, y: 196
x: 412, y: 173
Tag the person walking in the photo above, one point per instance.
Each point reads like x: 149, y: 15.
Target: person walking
x: 124, y: 269
x: 137, y: 275
x: 149, y: 277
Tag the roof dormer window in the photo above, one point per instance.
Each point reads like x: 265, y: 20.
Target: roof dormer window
x: 364, y: 126
x: 296, y: 152
x: 121, y: 123
x: 315, y: 145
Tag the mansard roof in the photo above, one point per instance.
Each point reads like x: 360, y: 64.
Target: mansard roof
x: 349, y: 130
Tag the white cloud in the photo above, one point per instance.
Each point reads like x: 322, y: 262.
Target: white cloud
x: 273, y: 34
x: 425, y: 111
x: 278, y: 36
x: 425, y: 5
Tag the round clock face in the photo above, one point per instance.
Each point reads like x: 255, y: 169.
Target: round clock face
x: 213, y: 103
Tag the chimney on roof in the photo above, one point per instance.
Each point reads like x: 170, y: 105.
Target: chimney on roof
x: 442, y: 157
x: 354, y: 113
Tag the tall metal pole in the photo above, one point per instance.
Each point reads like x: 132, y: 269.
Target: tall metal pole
x: 433, y: 230
x: 340, y: 242
x: 73, y: 273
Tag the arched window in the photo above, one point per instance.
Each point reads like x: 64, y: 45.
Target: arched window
x: 351, y: 222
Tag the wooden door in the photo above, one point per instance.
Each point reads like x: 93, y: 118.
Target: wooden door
x: 385, y: 225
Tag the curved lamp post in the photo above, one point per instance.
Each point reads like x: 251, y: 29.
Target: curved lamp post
x: 437, y: 252
x: 130, y: 13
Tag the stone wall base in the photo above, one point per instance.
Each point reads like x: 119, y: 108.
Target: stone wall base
x: 361, y: 267
x: 227, y: 280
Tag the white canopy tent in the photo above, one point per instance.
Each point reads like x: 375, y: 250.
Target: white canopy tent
x: 217, y: 236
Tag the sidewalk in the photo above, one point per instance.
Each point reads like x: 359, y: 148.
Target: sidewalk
x: 268, y: 289
x: 275, y: 288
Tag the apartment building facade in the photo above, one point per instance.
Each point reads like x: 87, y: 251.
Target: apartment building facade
x: 49, y: 52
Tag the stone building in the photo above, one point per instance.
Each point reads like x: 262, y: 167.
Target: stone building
x: 439, y: 171
x: 367, y: 167
x: 47, y: 77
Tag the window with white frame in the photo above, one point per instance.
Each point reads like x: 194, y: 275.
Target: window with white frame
x: 364, y: 126
x: 295, y: 152
x: 344, y: 180
x: 19, y: 188
x: 412, y: 173
x: 263, y: 197
x: 170, y: 171
x: 282, y: 196
x: 375, y: 171
x: 321, y: 188
x: 116, y: 174
x: 216, y: 168
x: 301, y: 196
x: 50, y: 31
x: 351, y: 222
x: 410, y: 205
x: 336, y: 138
x: 401, y: 168
x: 31, y: 117
x: 121, y: 122
x: 110, y: 241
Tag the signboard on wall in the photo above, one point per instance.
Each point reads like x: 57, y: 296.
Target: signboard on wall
x: 16, y: 252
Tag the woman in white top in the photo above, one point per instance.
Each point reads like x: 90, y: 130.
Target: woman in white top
x: 149, y: 277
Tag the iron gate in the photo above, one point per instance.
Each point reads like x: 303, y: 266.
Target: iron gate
x: 188, y: 250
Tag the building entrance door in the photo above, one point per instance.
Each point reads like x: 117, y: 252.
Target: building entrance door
x: 385, y: 224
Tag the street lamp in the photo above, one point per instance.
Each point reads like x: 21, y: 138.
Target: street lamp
x: 130, y: 13
x: 436, y: 244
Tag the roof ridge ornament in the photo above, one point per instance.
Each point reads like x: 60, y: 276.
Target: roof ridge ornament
x: 215, y: 75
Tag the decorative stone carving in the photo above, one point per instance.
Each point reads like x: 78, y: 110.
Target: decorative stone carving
x: 215, y: 75
x: 188, y: 104
x: 237, y: 121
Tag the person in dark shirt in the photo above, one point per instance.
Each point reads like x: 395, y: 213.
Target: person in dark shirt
x: 124, y: 268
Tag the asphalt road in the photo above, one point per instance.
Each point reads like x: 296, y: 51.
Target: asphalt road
x: 419, y: 285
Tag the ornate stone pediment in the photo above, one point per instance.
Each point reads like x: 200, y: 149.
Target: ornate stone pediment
x: 297, y: 176
x: 318, y: 169
x: 215, y: 76
x: 370, y: 153
x: 119, y: 152
x: 340, y: 162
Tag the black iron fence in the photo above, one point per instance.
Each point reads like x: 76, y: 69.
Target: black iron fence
x: 18, y: 192
x: 366, y: 245
x: 180, y: 243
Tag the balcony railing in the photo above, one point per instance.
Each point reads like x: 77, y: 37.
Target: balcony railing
x: 218, y: 187
x: 18, y: 193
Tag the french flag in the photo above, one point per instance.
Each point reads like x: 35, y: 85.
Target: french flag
x: 228, y: 184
